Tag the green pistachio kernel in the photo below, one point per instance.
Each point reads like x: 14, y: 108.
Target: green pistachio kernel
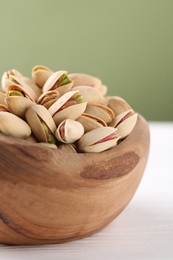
x: 50, y: 137
x: 79, y: 99
x: 16, y: 93
x: 63, y: 80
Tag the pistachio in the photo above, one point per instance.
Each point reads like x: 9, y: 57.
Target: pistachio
x: 41, y: 123
x: 14, y: 126
x: 90, y: 122
x: 40, y: 74
x: 90, y: 95
x: 69, y: 131
x: 58, y: 81
x: 99, y: 140
x: 48, y: 98
x: 70, y: 105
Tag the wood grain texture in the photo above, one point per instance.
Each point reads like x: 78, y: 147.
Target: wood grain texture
x: 47, y: 196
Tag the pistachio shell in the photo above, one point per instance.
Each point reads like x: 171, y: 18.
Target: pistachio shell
x: 90, y: 122
x: 118, y: 105
x: 98, y: 140
x: 34, y: 115
x: 3, y: 108
x: 20, y: 84
x: 91, y: 95
x: 48, y: 98
x: 69, y: 131
x: 101, y: 111
x: 71, y: 112
x: 67, y: 148
x: 18, y: 105
x: 34, y: 87
x: 14, y: 126
x: 2, y: 98
x: 5, y: 82
x: 125, y: 122
x: 53, y: 79
x: 40, y: 74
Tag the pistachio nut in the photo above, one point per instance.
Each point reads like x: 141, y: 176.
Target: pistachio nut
x: 40, y: 74
x: 14, y: 126
x: 34, y: 87
x: 81, y: 79
x: 70, y: 105
x: 90, y: 122
x: 100, y: 111
x: 48, y: 98
x: 49, y: 145
x: 125, y: 122
x: 5, y: 82
x: 4, y: 108
x: 41, y: 123
x: 2, y: 98
x: 90, y: 95
x: 58, y: 81
x: 118, y: 105
x: 99, y: 140
x: 18, y: 99
x: 69, y: 131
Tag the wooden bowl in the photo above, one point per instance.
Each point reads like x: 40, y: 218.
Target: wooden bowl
x: 47, y: 196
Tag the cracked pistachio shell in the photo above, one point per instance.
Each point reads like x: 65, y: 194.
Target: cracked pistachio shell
x: 14, y: 126
x: 118, y: 105
x: 20, y: 84
x: 98, y: 140
x: 5, y: 82
x: 33, y: 116
x: 72, y: 112
x: 4, y: 108
x: 34, y: 87
x: 69, y: 131
x: 90, y: 122
x: 48, y: 98
x: 2, y: 98
x: 18, y: 105
x: 125, y: 122
x: 91, y: 95
x: 101, y: 111
x: 50, y: 84
x: 40, y: 74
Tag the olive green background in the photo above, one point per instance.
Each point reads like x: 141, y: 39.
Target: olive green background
x: 128, y: 44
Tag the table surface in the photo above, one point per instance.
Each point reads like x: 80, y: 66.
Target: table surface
x: 144, y: 230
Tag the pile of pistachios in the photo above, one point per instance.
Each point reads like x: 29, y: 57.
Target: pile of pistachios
x: 65, y: 111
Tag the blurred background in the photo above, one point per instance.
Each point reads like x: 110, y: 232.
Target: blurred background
x: 128, y: 44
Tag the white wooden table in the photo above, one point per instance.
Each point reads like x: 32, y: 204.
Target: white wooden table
x: 144, y: 230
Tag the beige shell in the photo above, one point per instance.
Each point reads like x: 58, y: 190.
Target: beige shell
x: 2, y: 98
x: 5, y: 81
x: 34, y: 87
x: 20, y: 84
x: 18, y: 105
x: 33, y: 116
x: 98, y: 140
x: 40, y: 74
x: 90, y: 122
x: 91, y: 95
x: 14, y: 126
x: 48, y: 145
x: 69, y: 131
x: 125, y: 122
x: 4, y: 108
x: 101, y: 111
x: 48, y: 98
x: 118, y: 105
x: 72, y: 112
x: 52, y: 80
